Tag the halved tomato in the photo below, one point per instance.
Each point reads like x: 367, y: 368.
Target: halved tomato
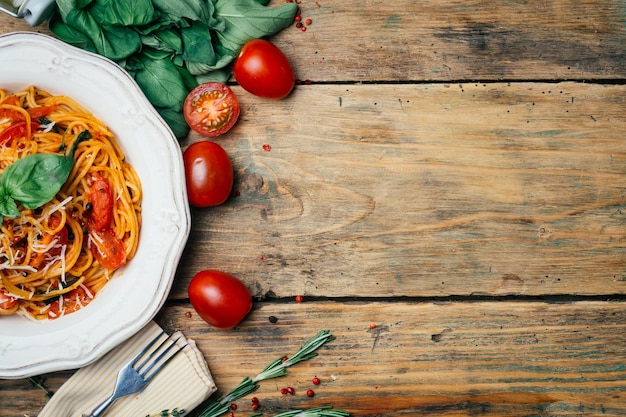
x: 11, y: 114
x: 71, y: 302
x: 107, y: 248
x: 211, y: 109
x: 7, y: 302
x: 60, y: 239
x: 17, y: 130
x: 101, y: 201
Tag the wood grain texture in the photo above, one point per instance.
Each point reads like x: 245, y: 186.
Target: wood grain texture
x: 459, y: 40
x: 429, y: 190
x: 441, y: 359
x: 442, y: 150
x: 447, y: 359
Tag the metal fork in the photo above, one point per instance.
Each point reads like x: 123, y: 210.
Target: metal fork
x: 140, y: 370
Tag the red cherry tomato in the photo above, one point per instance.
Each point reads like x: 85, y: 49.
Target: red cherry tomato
x: 107, y: 248
x: 208, y: 174
x: 7, y: 302
x: 71, y: 302
x: 211, y: 109
x: 263, y: 70
x: 101, y: 200
x: 41, y: 259
x: 219, y: 298
x: 16, y: 130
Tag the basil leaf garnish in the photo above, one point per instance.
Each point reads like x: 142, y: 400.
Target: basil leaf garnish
x: 35, y: 179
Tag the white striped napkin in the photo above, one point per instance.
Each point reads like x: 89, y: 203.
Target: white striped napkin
x: 184, y: 383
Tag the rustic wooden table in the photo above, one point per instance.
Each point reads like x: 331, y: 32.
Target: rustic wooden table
x: 454, y: 173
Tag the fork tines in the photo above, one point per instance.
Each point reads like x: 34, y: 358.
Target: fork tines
x: 151, y: 360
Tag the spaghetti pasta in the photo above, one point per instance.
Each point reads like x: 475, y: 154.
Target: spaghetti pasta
x: 55, y: 258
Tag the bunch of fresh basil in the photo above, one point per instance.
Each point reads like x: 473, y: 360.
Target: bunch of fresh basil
x: 169, y: 46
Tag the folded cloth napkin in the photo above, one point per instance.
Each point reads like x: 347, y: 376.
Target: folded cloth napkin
x: 183, y: 384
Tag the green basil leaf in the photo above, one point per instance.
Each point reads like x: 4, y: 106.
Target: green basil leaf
x: 197, y: 44
x: 175, y: 120
x: 70, y: 34
x: 161, y: 83
x: 171, y: 38
x: 161, y: 21
x: 200, y: 68
x: 35, y: 179
x: 123, y: 13
x: 112, y: 42
x: 247, y: 20
x: 195, y: 10
x: 220, y: 76
x: 8, y: 207
x: 155, y: 55
x: 117, y: 42
x: 66, y: 6
x: 188, y: 79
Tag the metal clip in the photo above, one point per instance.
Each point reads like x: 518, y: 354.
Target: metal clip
x: 34, y: 12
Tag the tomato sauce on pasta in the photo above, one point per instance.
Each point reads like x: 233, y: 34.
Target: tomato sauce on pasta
x: 54, y: 259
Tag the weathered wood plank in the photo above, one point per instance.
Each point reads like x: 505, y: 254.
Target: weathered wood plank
x: 446, y: 359
x: 428, y: 190
x: 460, y: 40
x: 442, y: 359
x: 439, y: 40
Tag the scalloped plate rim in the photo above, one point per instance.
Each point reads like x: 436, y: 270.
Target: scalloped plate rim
x: 142, y: 117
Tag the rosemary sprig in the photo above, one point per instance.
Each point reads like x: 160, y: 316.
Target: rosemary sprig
x: 327, y: 411
x: 220, y: 405
x: 306, y: 352
x: 38, y: 381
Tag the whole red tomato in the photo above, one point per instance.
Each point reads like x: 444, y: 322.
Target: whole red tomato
x: 211, y: 109
x: 263, y: 70
x: 219, y: 298
x: 208, y: 174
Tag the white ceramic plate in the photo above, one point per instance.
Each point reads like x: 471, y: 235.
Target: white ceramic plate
x: 137, y: 291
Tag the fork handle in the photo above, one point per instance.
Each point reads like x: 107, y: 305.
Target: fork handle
x: 101, y: 408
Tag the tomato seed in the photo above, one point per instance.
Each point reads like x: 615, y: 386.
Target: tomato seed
x: 267, y: 147
x: 310, y: 393
x: 303, y: 28
x: 283, y: 391
x: 299, y: 298
x: 308, y: 21
x: 233, y: 406
x: 316, y: 381
x: 298, y: 25
x: 298, y: 18
x: 255, y: 406
x: 291, y: 391
x: 372, y: 325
